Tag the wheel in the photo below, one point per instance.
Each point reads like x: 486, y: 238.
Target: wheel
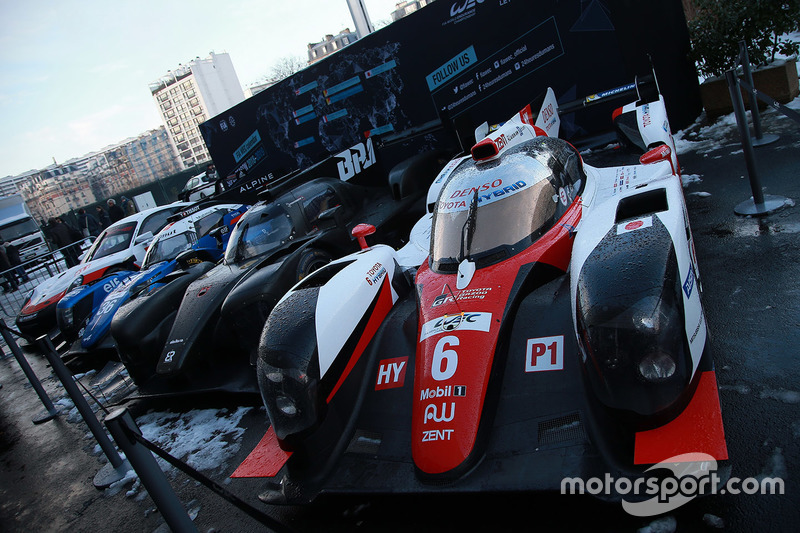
x: 310, y: 261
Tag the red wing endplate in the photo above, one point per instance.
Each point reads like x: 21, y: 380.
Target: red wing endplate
x: 698, y: 429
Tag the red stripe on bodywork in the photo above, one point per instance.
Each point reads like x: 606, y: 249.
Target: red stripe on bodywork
x: 382, y: 308
x: 266, y: 459
x: 28, y: 309
x: 698, y: 429
x: 91, y: 276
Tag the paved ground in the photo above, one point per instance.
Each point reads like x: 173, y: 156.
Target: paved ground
x: 751, y: 277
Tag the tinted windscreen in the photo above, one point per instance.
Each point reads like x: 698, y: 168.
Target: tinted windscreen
x: 18, y: 229
x: 485, y: 209
x: 113, y: 240
x: 168, y: 249
x: 261, y: 230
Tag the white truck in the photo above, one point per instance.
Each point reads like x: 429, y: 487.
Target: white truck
x: 18, y: 227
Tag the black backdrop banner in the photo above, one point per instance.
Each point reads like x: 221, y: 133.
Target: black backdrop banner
x: 465, y: 60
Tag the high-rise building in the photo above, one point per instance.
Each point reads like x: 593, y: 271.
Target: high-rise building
x: 190, y: 95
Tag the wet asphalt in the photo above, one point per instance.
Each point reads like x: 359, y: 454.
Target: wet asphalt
x: 750, y: 271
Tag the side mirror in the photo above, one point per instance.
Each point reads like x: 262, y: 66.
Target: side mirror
x: 361, y: 231
x: 331, y: 217
x: 145, y: 237
x: 656, y: 155
x: 217, y: 233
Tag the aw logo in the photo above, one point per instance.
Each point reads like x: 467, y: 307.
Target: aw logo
x: 355, y: 159
x: 432, y: 413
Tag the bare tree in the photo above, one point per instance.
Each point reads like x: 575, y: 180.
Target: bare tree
x: 285, y: 67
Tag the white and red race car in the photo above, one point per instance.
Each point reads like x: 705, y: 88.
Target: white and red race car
x: 544, y: 322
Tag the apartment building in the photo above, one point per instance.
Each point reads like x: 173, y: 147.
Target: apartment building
x: 406, y: 8
x: 192, y: 94
x: 330, y: 44
x: 97, y: 176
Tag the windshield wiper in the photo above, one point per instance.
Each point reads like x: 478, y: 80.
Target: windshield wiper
x: 468, y: 231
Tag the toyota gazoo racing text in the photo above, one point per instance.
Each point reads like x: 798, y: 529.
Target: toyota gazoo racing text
x: 553, y: 329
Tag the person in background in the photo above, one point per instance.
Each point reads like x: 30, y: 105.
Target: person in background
x: 10, y: 284
x: 127, y: 206
x: 211, y: 172
x: 61, y: 238
x: 12, y: 252
x: 102, y: 217
x: 89, y: 225
x: 115, y: 212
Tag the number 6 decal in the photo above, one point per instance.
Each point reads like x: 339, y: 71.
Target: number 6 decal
x: 445, y: 362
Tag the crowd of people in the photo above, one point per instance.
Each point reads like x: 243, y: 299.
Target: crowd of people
x: 63, y: 236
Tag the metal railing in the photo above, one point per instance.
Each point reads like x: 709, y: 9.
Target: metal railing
x: 759, y: 204
x: 17, y: 282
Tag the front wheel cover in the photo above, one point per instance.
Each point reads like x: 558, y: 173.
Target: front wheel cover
x: 311, y: 260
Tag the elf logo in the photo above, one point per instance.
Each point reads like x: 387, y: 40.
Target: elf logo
x: 432, y: 413
x: 391, y: 373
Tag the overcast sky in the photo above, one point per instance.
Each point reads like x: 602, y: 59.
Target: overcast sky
x: 74, y: 74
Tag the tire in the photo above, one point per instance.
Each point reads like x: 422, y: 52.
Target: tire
x: 311, y: 260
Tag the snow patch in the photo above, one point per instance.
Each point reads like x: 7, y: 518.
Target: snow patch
x: 776, y: 467
x: 785, y: 396
x: 117, y: 486
x: 713, y: 521
x: 686, y: 179
x: 205, y: 439
x: 667, y: 524
x: 701, y: 194
x: 741, y: 389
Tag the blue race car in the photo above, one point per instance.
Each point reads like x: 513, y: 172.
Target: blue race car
x: 194, y: 240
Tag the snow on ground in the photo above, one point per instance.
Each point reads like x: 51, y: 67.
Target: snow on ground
x: 204, y: 438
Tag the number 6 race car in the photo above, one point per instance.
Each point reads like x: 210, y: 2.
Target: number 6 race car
x: 554, y: 330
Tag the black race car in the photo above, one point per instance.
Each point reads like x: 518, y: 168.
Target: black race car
x: 209, y: 342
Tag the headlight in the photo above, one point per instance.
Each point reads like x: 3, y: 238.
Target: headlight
x: 633, y: 342
x: 67, y: 316
x: 657, y: 366
x: 290, y: 397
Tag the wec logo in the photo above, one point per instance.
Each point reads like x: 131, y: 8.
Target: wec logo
x: 460, y: 7
x: 462, y: 321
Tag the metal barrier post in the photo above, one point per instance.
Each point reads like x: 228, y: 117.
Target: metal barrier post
x: 119, y: 423
x: 759, y: 139
x: 11, y: 342
x: 117, y: 468
x: 760, y: 204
